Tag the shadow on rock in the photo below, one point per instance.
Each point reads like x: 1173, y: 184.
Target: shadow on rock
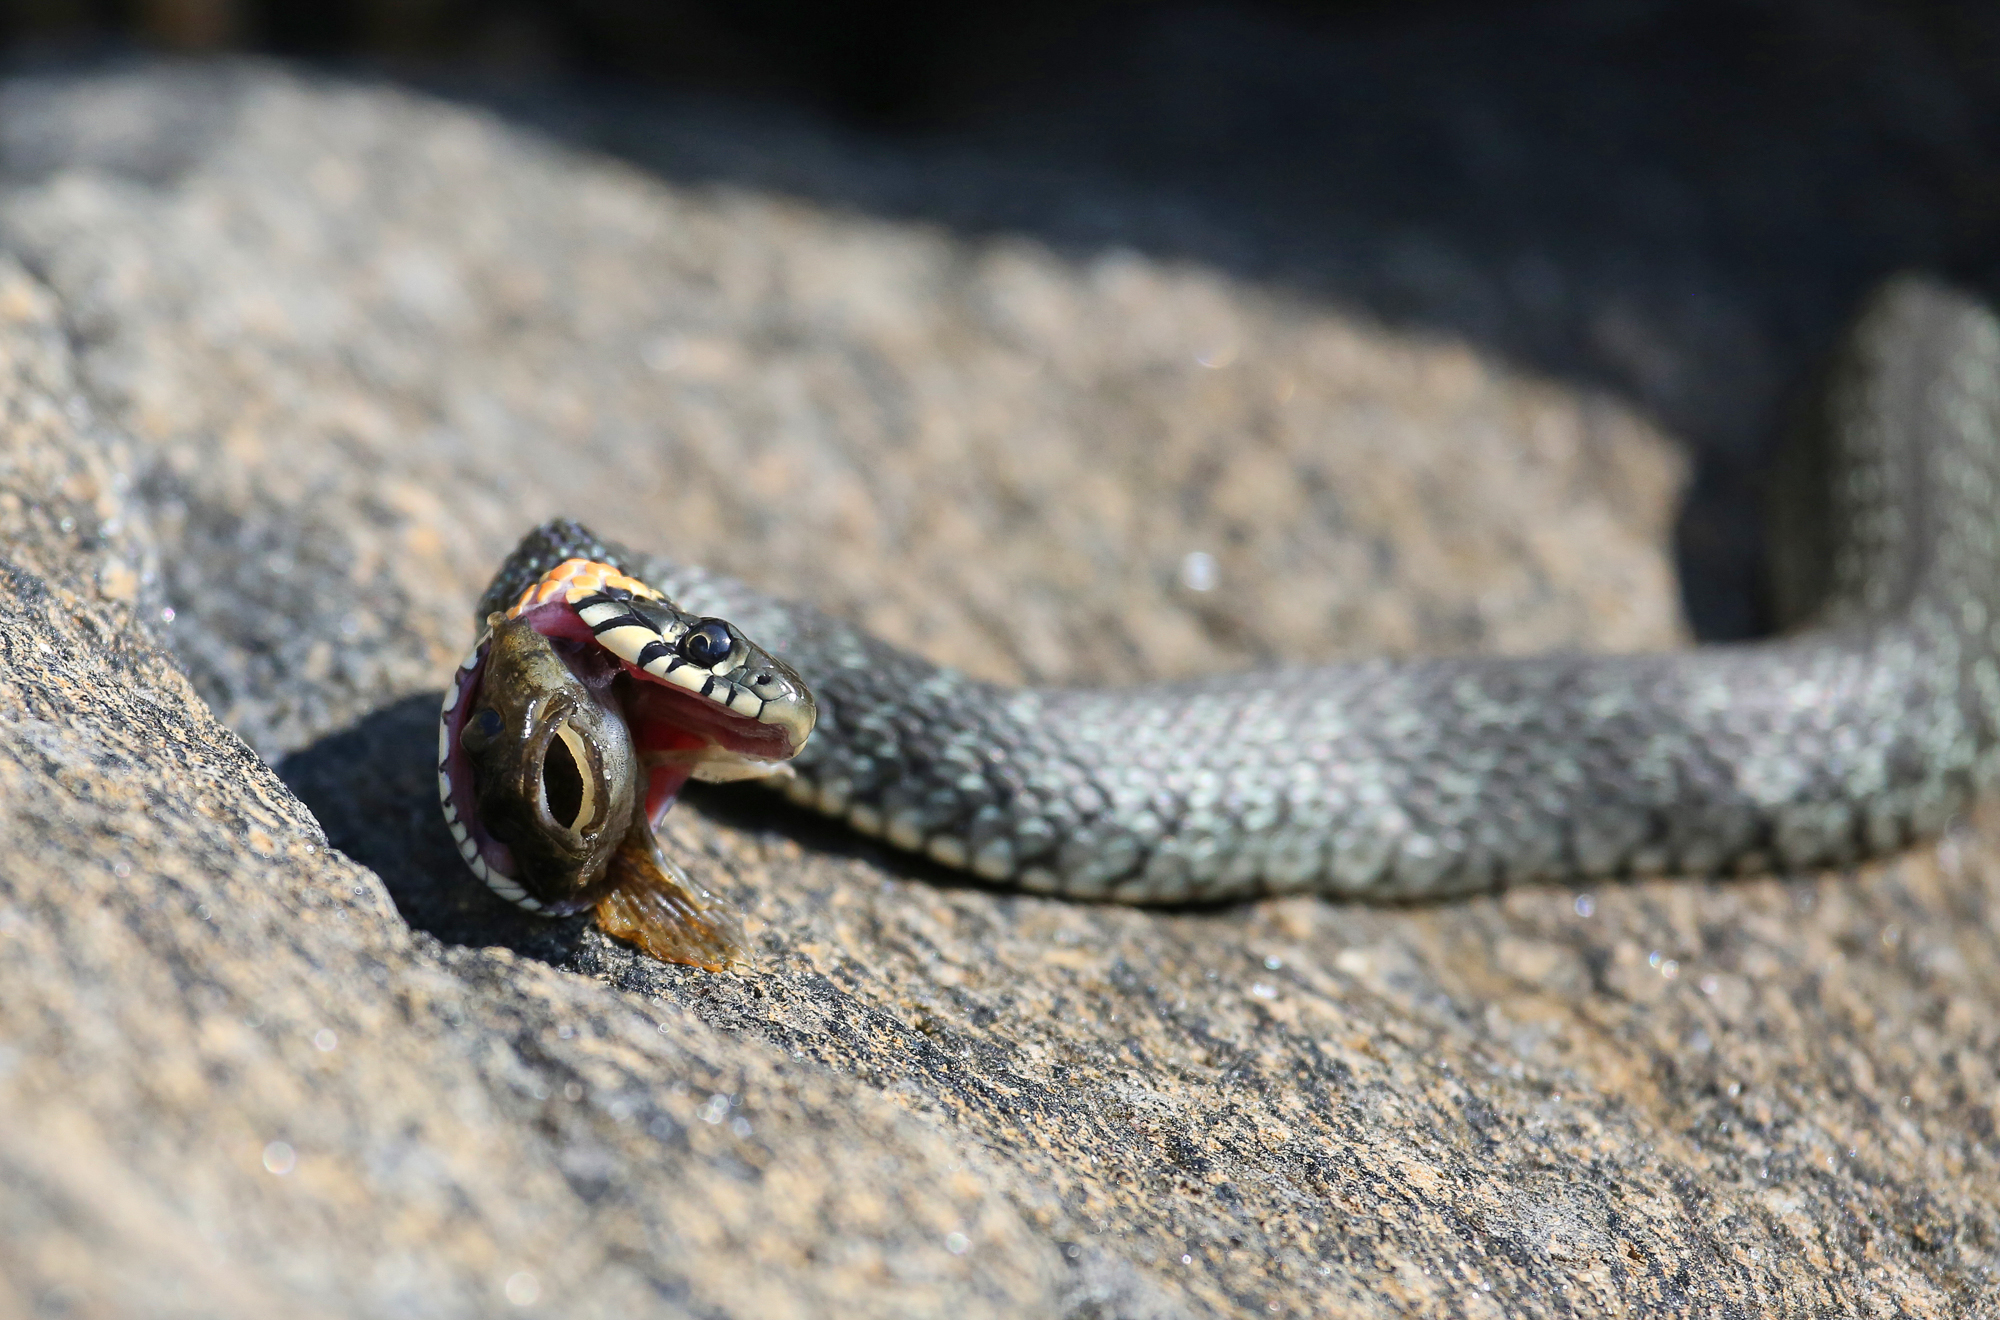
x: 373, y: 787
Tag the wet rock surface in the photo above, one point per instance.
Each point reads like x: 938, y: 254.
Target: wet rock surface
x: 301, y: 376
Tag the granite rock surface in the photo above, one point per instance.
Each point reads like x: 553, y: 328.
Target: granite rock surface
x: 289, y: 362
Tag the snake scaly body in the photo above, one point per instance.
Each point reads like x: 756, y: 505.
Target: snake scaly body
x: 1414, y: 780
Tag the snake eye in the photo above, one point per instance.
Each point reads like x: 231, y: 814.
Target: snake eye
x: 482, y: 728
x: 707, y: 643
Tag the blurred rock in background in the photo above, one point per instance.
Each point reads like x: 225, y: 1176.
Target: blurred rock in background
x: 1673, y: 199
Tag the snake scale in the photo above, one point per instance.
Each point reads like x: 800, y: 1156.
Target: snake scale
x: 1853, y: 735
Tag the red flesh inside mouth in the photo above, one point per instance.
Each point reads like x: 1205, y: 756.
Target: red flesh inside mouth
x: 664, y: 719
x: 459, y: 767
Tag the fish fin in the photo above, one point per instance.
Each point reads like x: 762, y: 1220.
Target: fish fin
x: 655, y: 905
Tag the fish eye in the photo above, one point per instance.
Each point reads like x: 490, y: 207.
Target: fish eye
x: 565, y: 786
x: 707, y: 643
x: 482, y: 728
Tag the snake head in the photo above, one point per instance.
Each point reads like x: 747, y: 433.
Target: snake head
x: 572, y: 726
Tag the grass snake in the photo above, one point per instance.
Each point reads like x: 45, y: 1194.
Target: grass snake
x: 1862, y: 729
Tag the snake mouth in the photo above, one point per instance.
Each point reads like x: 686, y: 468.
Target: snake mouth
x: 490, y: 859
x: 687, y: 721
x: 699, y: 702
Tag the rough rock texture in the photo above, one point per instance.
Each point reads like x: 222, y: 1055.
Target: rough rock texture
x: 236, y: 1083
x: 344, y: 344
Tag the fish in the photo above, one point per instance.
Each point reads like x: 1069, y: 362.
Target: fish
x: 571, y: 728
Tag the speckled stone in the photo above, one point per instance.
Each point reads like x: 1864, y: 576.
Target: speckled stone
x: 233, y: 1081
x: 346, y: 343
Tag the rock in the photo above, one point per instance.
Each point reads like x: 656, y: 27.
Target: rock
x: 327, y: 329
x: 344, y: 343
x: 237, y: 1083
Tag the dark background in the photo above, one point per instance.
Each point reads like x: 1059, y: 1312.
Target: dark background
x: 904, y: 64
x: 890, y: 64
x: 1678, y: 201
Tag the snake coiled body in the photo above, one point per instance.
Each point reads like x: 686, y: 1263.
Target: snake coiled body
x: 1854, y: 736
